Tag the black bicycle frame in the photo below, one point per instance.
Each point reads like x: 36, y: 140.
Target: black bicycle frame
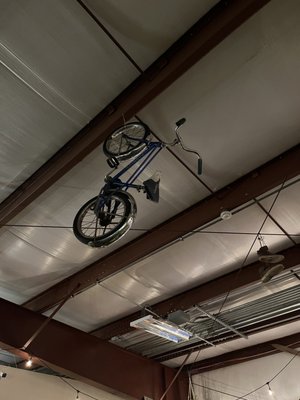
x: 114, y: 182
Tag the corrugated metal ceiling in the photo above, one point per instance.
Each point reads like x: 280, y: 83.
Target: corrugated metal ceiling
x: 241, y: 317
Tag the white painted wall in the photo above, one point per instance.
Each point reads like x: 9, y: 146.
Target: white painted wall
x: 26, y: 385
x: 240, y: 379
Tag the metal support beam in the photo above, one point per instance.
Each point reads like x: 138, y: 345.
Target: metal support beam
x: 243, y: 355
x: 80, y: 355
x: 205, y: 35
x: 284, y: 167
x: 219, y: 321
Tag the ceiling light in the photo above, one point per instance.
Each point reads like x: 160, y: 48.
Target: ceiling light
x: 269, y: 389
x: 29, y: 363
x: 161, y: 328
x: 225, y: 215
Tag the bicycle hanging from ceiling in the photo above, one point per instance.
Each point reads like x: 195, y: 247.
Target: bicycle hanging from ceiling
x: 107, y: 217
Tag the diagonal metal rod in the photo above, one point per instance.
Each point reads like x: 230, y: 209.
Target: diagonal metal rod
x: 112, y: 38
x: 46, y: 322
x: 175, y: 377
x: 219, y: 321
x: 204, y: 340
x: 275, y: 221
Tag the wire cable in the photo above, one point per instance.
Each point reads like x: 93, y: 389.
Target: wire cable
x: 244, y: 397
x: 250, y: 249
x: 217, y: 391
x: 111, y: 37
x: 272, y: 379
x: 203, y: 231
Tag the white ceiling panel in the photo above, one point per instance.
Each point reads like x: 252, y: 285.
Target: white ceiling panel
x: 31, y: 130
x: 57, y: 71
x: 240, y: 100
x: 70, y: 53
x: 51, y: 254
x: 185, y: 264
x: 85, y: 310
x: 147, y: 28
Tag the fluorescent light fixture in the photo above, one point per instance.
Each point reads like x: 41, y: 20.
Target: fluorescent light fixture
x: 163, y: 329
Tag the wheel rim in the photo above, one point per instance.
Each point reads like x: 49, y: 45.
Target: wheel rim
x: 112, y: 217
x: 125, y: 139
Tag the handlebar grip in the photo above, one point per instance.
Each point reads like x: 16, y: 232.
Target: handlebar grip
x: 180, y: 122
x: 199, y: 166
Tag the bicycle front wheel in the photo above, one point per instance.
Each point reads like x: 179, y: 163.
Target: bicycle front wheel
x: 114, y: 217
x: 126, y: 141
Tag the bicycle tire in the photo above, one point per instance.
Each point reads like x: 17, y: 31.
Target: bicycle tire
x: 126, y: 141
x: 90, y: 233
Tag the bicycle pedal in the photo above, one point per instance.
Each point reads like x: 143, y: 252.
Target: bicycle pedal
x: 113, y: 162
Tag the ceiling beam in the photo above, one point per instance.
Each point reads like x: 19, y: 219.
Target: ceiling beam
x: 243, y: 355
x: 206, y: 34
x: 199, y: 294
x: 85, y: 357
x: 267, y: 177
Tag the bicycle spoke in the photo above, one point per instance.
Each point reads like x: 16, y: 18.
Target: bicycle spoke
x: 111, y: 218
x: 99, y: 227
x: 120, y: 147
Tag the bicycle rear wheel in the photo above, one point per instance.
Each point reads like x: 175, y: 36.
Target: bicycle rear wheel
x: 114, y: 218
x: 126, y: 141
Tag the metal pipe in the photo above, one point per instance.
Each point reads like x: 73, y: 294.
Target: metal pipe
x: 46, y: 322
x: 175, y: 377
x: 219, y: 321
x: 204, y: 340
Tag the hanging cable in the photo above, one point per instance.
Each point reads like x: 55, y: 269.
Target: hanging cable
x: 250, y: 249
x: 201, y: 231
x: 270, y: 380
x: 217, y: 391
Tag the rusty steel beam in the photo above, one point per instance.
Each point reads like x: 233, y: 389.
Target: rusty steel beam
x: 206, y: 34
x: 284, y: 167
x: 85, y: 357
x: 243, y: 355
x: 198, y: 294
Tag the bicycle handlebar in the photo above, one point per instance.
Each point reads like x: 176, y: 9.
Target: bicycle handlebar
x: 187, y: 149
